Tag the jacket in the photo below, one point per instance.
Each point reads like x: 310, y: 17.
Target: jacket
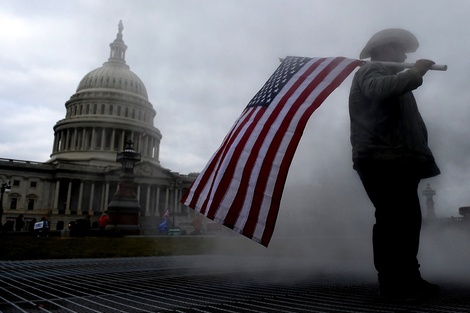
x: 385, y: 122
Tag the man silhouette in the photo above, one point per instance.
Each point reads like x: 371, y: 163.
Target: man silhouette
x: 391, y: 155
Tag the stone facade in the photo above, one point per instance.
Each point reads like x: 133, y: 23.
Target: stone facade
x: 109, y: 107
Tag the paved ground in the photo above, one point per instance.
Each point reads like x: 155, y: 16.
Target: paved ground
x: 198, y: 284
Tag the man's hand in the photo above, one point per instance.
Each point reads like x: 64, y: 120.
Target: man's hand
x: 423, y: 65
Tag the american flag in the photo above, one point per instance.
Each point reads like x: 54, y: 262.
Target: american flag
x: 242, y: 184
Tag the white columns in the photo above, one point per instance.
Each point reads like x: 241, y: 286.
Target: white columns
x: 103, y: 138
x: 147, y: 202
x: 176, y: 202
x: 102, y: 202
x: 69, y: 197
x: 68, y: 140
x: 111, y: 144
x: 56, y: 197
x: 167, y: 198
x: 106, y: 196
x: 92, y: 193
x: 84, y: 138
x: 93, y: 139
x: 157, y: 202
x: 54, y: 146
x: 73, y: 146
x: 80, y: 196
x: 123, y: 140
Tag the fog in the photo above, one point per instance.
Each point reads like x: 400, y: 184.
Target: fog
x: 202, y: 63
x: 325, y: 220
x: 326, y: 229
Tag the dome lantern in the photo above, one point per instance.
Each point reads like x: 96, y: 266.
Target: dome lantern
x: 118, y: 47
x: 115, y: 73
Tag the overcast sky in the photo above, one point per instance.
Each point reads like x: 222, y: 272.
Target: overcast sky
x: 202, y: 61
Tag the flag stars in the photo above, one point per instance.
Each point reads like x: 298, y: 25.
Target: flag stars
x: 275, y: 84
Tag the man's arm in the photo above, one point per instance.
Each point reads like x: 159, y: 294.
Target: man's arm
x: 376, y: 81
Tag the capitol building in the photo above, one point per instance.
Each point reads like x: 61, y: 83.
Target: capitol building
x: 109, y: 107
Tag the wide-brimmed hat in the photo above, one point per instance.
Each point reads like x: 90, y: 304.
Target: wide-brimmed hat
x: 390, y: 35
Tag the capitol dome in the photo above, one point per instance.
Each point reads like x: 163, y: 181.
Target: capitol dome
x: 115, y: 73
x: 109, y: 107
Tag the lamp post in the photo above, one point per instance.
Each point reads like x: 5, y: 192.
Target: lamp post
x: 5, y: 188
x: 128, y: 158
x: 124, y: 208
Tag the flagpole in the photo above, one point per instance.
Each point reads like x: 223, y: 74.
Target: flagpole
x: 435, y: 67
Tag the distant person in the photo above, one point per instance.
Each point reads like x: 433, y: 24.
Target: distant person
x: 391, y: 155
x: 103, y: 221
x: 44, y: 230
x: 19, y: 222
x: 163, y: 226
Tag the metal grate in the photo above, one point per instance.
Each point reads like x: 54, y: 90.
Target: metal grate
x: 195, y: 284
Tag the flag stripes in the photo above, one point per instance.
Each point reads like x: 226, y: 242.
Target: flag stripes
x: 241, y: 186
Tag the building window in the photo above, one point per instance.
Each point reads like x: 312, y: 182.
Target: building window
x: 59, y: 144
x: 111, y: 109
x: 78, y: 138
x: 98, y: 138
x: 88, y: 140
x: 119, y: 111
x: 13, y: 203
x: 33, y: 184
x: 117, y: 140
x: 107, y: 138
x: 68, y: 136
x: 102, y: 109
x: 16, y: 183
x: 127, y: 136
x: 30, y: 204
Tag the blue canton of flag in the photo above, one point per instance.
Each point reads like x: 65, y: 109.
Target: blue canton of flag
x: 277, y: 81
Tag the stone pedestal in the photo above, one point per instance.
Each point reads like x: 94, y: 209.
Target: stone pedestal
x: 124, y: 211
x: 124, y: 208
